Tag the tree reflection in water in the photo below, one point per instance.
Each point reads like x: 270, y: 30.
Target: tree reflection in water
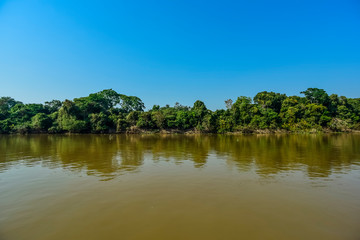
x: 108, y: 156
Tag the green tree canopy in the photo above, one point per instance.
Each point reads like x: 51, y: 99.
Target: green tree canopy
x: 316, y: 95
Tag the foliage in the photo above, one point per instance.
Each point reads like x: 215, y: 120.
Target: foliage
x: 317, y: 96
x: 41, y: 122
x: 108, y: 111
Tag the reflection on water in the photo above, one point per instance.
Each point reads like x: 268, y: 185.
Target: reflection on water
x: 110, y: 155
x: 179, y: 187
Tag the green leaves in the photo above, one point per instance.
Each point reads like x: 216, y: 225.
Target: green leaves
x: 317, y: 96
x: 270, y: 100
x: 41, y: 122
x: 108, y: 111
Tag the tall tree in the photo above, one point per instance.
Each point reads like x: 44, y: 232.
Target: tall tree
x: 316, y: 95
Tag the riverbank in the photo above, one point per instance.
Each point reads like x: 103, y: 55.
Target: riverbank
x: 245, y: 132
x: 110, y: 112
x: 138, y: 131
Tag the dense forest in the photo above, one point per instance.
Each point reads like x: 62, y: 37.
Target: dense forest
x: 110, y: 112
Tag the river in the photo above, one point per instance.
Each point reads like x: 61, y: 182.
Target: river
x: 179, y: 187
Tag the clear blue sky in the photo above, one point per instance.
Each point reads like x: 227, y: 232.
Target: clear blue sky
x: 178, y: 51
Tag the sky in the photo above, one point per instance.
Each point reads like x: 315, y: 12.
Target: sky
x: 178, y: 51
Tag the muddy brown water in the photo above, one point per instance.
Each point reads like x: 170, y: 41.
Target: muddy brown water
x: 179, y: 187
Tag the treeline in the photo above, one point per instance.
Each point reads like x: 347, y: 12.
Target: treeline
x: 110, y: 112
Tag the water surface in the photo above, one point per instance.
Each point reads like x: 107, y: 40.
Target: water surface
x: 179, y: 187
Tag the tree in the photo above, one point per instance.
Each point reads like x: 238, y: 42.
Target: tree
x: 291, y: 112
x: 132, y: 118
x: 228, y: 103
x: 131, y: 103
x: 159, y: 119
x: 72, y: 125
x: 155, y: 108
x: 41, y: 122
x: 182, y: 120
x: 21, y: 113
x: 109, y: 97
x: 68, y: 118
x: 53, y: 105
x: 224, y: 121
x: 241, y: 111
x: 6, y: 103
x: 145, y: 121
x: 317, y: 96
x: 6, y: 126
x: 100, y: 122
x: 108, y: 110
x: 270, y: 100
x: 69, y: 108
x: 316, y: 114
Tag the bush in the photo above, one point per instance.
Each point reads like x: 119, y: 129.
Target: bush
x: 338, y: 125
x: 73, y: 126
x: 5, y: 126
x: 23, y: 128
x: 41, y: 121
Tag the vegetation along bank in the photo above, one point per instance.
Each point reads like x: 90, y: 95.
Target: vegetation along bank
x: 110, y: 112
